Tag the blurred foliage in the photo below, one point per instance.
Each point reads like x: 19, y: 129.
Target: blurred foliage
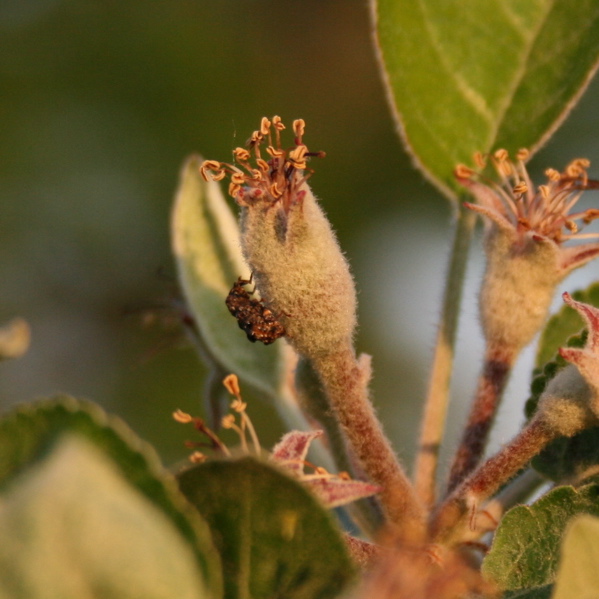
x: 102, y: 101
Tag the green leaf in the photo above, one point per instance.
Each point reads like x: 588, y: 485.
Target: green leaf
x: 275, y: 539
x: 205, y: 241
x: 578, y: 575
x: 29, y: 433
x: 525, y: 550
x: 565, y: 323
x: 543, y: 592
x: 72, y: 526
x: 476, y: 75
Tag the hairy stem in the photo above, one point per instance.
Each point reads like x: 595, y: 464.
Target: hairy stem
x: 345, y: 381
x: 366, y: 512
x: 482, y: 483
x: 491, y: 384
x: 433, y: 423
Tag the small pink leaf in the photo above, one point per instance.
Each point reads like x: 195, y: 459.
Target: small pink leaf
x: 334, y: 492
x: 290, y: 452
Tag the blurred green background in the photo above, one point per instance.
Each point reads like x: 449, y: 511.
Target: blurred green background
x: 100, y: 103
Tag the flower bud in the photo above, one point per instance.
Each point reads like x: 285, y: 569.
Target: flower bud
x: 565, y: 405
x: 525, y: 231
x: 289, y: 245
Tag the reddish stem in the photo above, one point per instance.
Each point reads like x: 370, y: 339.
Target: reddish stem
x: 496, y: 370
x: 489, y: 477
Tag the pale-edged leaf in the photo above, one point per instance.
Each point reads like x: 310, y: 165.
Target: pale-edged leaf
x: 526, y: 548
x: 72, y: 526
x: 30, y: 432
x: 578, y: 575
x: 275, y: 539
x: 472, y: 76
x: 205, y: 242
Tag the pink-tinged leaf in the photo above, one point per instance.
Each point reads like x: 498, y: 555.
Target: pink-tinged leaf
x: 334, y: 492
x: 576, y: 256
x: 290, y: 452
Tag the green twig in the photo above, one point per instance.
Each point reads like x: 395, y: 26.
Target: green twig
x: 433, y: 423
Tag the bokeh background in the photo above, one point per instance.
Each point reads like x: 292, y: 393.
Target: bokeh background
x: 100, y: 103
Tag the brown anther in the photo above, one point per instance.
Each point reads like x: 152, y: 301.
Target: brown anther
x: 299, y: 127
x: 182, y: 417
x: 524, y: 223
x: 523, y: 154
x: 590, y: 215
x: 461, y: 171
x: 231, y: 383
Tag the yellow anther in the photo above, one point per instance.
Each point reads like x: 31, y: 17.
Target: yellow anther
x: 263, y: 165
x: 264, y: 126
x: 241, y: 154
x: 255, y: 139
x: 275, y: 152
x: 571, y: 226
x: 182, y: 417
x: 299, y: 126
x: 461, y: 171
x: 523, y: 154
x: 238, y: 406
x: 207, y: 166
x: 501, y: 155
x: 238, y: 178
x: 520, y: 188
x: 275, y: 191
x: 231, y: 383
x: 197, y: 457
x: 228, y: 421
x: 277, y: 123
x: 545, y: 192
x: 552, y: 174
x: 479, y: 159
x: 298, y: 153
